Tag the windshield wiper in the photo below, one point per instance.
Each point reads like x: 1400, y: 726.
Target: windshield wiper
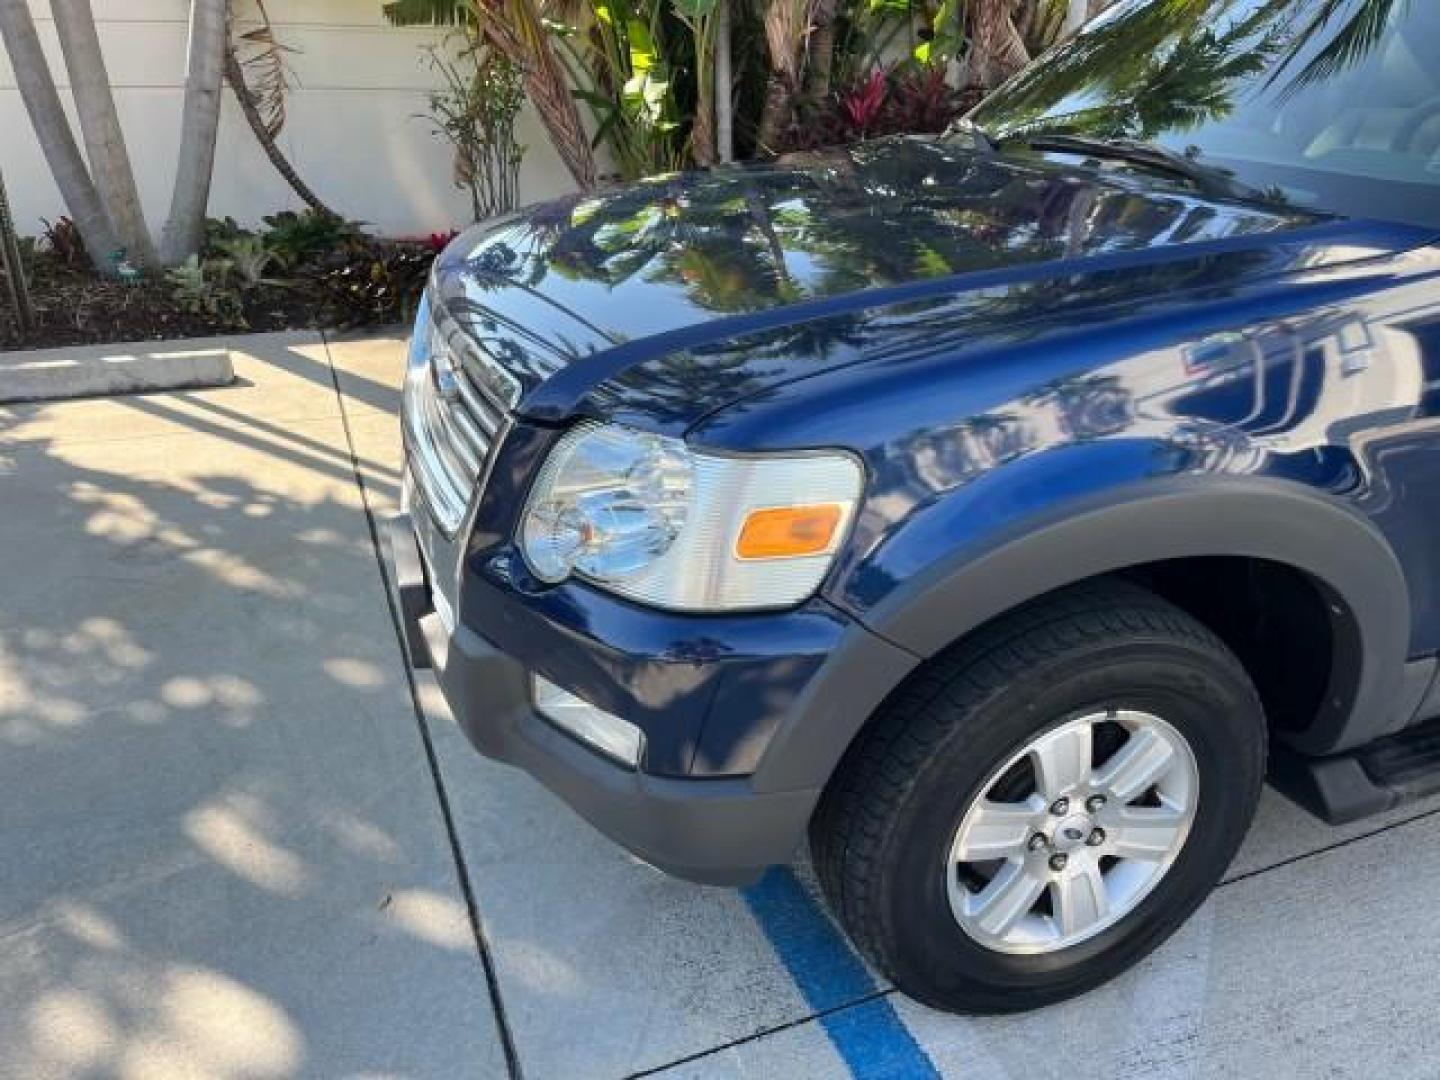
x: 1206, y: 179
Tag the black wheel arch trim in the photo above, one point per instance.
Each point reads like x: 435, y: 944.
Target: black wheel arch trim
x: 1182, y: 517
x: 1276, y: 520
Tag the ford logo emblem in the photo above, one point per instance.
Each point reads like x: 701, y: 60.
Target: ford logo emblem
x: 447, y: 380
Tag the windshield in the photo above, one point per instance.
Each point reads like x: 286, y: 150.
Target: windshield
x: 1331, y: 105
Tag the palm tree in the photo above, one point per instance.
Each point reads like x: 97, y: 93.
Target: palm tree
x: 996, y: 47
x: 200, y: 121
x: 1350, y: 44
x: 786, y: 23
x: 703, y: 19
x: 14, y: 267
x: 263, y: 105
x: 104, y: 141
x: 47, y: 116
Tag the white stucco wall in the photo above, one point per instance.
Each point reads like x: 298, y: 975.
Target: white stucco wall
x: 352, y: 131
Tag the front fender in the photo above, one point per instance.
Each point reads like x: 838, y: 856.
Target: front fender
x: 1100, y: 532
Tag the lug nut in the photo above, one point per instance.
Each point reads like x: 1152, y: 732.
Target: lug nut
x: 1037, y: 842
x: 1094, y: 803
x: 1060, y: 807
x: 1058, y: 861
x: 1096, y: 838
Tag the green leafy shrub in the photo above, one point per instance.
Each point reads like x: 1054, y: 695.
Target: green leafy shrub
x: 474, y: 110
x: 250, y: 258
x: 220, y: 231
x: 208, y: 288
x: 298, y: 237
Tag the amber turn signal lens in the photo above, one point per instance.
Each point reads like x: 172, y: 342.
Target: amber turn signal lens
x: 781, y: 532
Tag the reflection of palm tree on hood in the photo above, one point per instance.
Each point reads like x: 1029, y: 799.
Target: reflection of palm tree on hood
x: 1352, y: 42
x: 1173, y: 65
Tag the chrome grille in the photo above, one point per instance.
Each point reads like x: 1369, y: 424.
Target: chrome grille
x: 454, y: 416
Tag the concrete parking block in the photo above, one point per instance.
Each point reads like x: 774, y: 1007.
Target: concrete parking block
x: 91, y: 370
x: 280, y: 379
x: 223, y: 851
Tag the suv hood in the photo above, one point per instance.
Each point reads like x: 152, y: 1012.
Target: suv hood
x: 670, y: 298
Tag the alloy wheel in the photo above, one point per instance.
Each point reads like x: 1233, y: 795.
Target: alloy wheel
x: 1072, y: 832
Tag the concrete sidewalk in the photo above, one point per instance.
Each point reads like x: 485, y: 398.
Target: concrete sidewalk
x: 232, y: 847
x: 222, y: 850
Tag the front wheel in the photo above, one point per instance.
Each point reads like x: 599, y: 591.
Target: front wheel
x: 1034, y: 812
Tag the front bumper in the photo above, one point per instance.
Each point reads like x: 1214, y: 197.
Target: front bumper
x: 716, y: 830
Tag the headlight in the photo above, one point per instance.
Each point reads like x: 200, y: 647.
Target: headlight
x: 649, y: 518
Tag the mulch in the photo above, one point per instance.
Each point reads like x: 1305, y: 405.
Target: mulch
x: 74, y: 307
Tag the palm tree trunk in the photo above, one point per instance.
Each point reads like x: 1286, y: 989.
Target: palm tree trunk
x: 235, y: 76
x: 821, y: 49
x: 52, y: 129
x: 724, y: 86
x: 775, y: 116
x: 996, y: 48
x: 14, y: 267
x: 702, y: 130
x: 1076, y: 12
x: 104, y: 141
x: 185, y: 227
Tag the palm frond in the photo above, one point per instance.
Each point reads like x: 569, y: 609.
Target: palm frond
x: 425, y: 12
x: 1351, y: 43
x: 267, y: 72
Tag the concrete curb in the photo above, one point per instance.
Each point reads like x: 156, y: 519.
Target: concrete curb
x: 125, y: 368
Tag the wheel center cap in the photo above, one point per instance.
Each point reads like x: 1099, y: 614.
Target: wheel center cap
x: 1073, y: 832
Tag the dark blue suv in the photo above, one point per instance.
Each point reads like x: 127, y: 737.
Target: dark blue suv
x: 997, y: 509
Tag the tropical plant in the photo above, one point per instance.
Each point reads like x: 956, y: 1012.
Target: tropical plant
x: 786, y: 25
x: 63, y: 239
x: 475, y: 111
x: 618, y: 60
x: 996, y: 48
x: 250, y: 258
x: 519, y: 31
x: 207, y: 287
x: 295, y: 237
x: 702, y: 18
x: 260, y: 81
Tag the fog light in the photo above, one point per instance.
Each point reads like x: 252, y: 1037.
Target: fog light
x: 613, y: 737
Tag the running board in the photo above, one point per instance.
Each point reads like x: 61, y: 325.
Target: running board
x: 1375, y: 778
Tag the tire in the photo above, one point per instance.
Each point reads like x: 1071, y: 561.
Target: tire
x: 1107, y: 658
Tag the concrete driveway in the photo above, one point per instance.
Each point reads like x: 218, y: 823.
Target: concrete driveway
x: 237, y: 839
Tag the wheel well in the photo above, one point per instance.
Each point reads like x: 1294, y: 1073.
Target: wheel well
x: 1277, y: 620
x: 1274, y: 618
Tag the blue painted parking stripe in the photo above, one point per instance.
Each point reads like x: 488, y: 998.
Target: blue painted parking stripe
x: 868, y: 1036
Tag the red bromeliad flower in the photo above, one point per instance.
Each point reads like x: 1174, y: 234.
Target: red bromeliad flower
x: 864, y: 103
x: 437, y: 241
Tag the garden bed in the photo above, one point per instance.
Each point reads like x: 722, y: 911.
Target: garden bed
x: 301, y: 271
